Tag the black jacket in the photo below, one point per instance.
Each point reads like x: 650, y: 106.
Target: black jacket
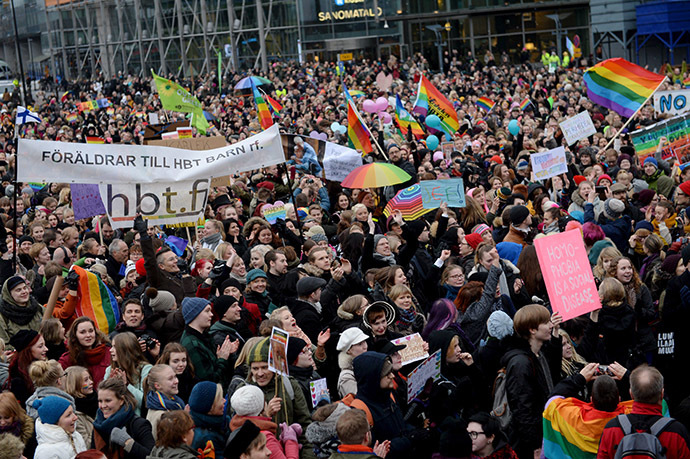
x: 179, y: 286
x: 114, y: 268
x: 617, y: 327
x: 307, y: 317
x: 140, y: 430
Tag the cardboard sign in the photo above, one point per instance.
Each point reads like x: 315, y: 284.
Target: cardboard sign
x: 567, y: 274
x: 418, y: 378
x: 414, y: 348
x: 273, y: 213
x: 676, y: 130
x: 153, y: 118
x: 339, y: 161
x: 672, y: 102
x: 319, y: 392
x: 578, y: 127
x: 193, y: 143
x: 86, y: 200
x: 277, y: 351
x: 549, y: 163
x: 434, y: 192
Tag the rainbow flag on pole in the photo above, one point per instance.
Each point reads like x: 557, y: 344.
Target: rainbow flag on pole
x: 525, y: 103
x: 264, y: 113
x: 569, y: 45
x: 430, y: 101
x: 621, y: 86
x: 273, y: 104
x: 96, y: 301
x: 95, y: 140
x: 686, y: 82
x: 485, y: 103
x: 405, y: 120
x: 357, y: 134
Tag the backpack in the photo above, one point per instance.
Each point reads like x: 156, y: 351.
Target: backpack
x: 641, y: 444
x: 499, y: 394
x: 353, y: 402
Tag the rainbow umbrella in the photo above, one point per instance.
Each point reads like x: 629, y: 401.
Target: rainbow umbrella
x: 356, y: 93
x: 245, y: 83
x: 375, y: 175
x: 408, y: 202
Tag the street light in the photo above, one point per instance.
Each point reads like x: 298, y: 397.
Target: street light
x: 557, y: 19
x: 439, y: 43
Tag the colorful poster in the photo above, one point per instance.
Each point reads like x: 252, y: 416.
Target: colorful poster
x: 549, y: 163
x: 672, y: 102
x: 414, y: 348
x: 676, y: 130
x: 273, y: 212
x: 417, y: 380
x: 86, y: 200
x: 277, y: 351
x: 567, y: 274
x: 319, y: 392
x: 450, y: 191
x: 578, y: 127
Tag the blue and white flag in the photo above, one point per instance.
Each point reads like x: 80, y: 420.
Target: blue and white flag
x: 25, y: 115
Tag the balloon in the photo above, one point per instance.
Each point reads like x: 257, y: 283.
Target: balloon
x: 369, y: 106
x: 433, y: 121
x: 278, y: 204
x: 382, y: 103
x: 335, y: 126
x: 513, y: 127
x: 385, y: 117
x: 342, y: 129
x: 318, y: 135
x: 432, y: 142
x: 438, y: 155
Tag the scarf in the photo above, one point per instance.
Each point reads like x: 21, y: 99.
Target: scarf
x: 155, y: 400
x: 630, y: 294
x: 451, y: 292
x: 15, y: 429
x: 93, y: 356
x: 120, y: 419
x: 645, y: 264
x: 21, y: 315
x: 210, y: 240
x: 206, y: 421
x: 241, y: 279
x: 407, y: 316
x: 389, y: 259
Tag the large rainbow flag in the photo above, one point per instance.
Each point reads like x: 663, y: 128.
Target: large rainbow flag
x: 96, y: 301
x: 357, y: 135
x: 430, y: 101
x: 406, y: 121
x: 621, y: 85
x: 264, y: 113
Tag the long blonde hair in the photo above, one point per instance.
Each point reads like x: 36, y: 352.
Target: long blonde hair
x: 568, y: 365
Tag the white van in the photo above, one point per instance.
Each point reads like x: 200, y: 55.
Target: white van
x: 5, y: 71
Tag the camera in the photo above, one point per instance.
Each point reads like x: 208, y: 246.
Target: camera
x: 150, y: 342
x: 310, y: 181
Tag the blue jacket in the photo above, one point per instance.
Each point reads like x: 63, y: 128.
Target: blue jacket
x: 617, y: 230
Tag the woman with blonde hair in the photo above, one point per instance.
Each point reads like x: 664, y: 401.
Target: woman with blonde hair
x: 15, y: 421
x: 161, y: 394
x: 604, y: 261
x: 79, y: 385
x: 572, y: 362
x: 48, y: 378
x: 129, y: 365
x: 408, y: 318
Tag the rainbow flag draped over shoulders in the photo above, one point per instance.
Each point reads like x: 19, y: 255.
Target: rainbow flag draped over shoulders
x: 264, y: 113
x: 96, y: 301
x: 621, y: 85
x: 405, y: 120
x: 485, y: 103
x: 357, y: 135
x: 430, y: 101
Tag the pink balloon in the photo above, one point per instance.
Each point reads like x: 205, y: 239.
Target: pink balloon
x: 438, y: 155
x: 385, y: 117
x: 369, y: 106
x: 382, y: 103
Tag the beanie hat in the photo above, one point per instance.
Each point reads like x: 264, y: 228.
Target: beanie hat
x: 579, y: 179
x: 518, y: 215
x: 522, y: 165
x: 478, y: 276
x: 51, y: 408
x: 139, y: 265
x: 499, y: 325
x: 503, y: 193
x: 509, y: 251
x: 26, y: 238
x: 192, y: 307
x: 645, y: 197
x: 549, y: 205
x: 240, y: 439
x: 377, y: 239
x: 131, y: 266
x: 160, y: 300
x: 613, y: 208
x: 670, y: 263
x: 255, y: 274
x: 685, y: 187
x: 13, y: 281
x: 248, y: 400
x: 230, y: 282
x: 203, y: 396
x: 481, y: 229
x: 497, y: 159
x: 22, y: 339
x: 318, y: 237
x: 473, y: 239
x: 651, y: 160
x: 644, y: 224
x: 294, y: 349
x: 222, y: 303
x: 259, y: 353
x: 604, y: 177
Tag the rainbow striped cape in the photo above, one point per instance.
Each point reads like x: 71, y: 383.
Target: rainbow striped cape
x: 406, y: 121
x: 264, y: 113
x: 430, y: 101
x: 96, y: 301
x: 621, y: 85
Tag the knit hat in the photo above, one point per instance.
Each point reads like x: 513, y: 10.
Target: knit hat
x: 240, y: 439
x: 499, y: 325
x: 51, y: 408
x: 13, y: 281
x: 22, y: 339
x: 308, y: 285
x: 645, y: 197
x: 349, y: 338
x: 685, y: 187
x: 473, y: 239
x: 549, y: 205
x: 481, y: 229
x: 26, y: 238
x: 604, y: 177
x: 222, y: 303
x: 160, y: 300
x: 230, y: 282
x: 255, y: 274
x: 509, y: 251
x: 248, y: 400
x: 497, y: 159
x: 503, y: 193
x: 192, y: 307
x: 613, y: 208
x: 203, y: 396
x: 259, y: 353
x: 139, y: 265
x: 294, y: 349
x: 651, y: 160
x: 131, y: 266
x: 522, y: 165
x: 579, y: 179
x: 670, y: 263
x: 377, y: 239
x: 644, y: 224
x: 318, y: 237
x: 518, y: 214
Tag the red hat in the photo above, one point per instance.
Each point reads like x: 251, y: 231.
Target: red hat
x: 473, y: 239
x: 497, y: 159
x: 579, y: 179
x: 685, y: 187
x: 140, y: 267
x: 267, y: 185
x: 604, y: 177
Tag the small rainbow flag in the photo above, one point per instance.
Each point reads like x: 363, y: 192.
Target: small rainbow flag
x: 686, y: 82
x: 110, y: 110
x: 264, y: 114
x: 569, y: 45
x: 485, y: 103
x: 620, y: 85
x: 430, y: 101
x: 63, y: 97
x: 357, y: 135
x: 405, y: 120
x: 525, y: 103
x: 96, y: 301
x: 273, y: 104
x: 95, y: 140
x: 71, y: 117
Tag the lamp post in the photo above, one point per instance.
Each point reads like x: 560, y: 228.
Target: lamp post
x: 19, y: 54
x: 439, y: 43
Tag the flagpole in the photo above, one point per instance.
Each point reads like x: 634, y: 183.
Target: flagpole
x: 16, y: 192
x: 633, y: 116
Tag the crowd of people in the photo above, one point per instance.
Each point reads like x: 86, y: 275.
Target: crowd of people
x: 185, y: 373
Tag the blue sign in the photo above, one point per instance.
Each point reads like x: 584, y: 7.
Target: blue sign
x: 450, y: 191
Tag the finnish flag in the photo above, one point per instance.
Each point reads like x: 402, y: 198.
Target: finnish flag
x: 26, y: 116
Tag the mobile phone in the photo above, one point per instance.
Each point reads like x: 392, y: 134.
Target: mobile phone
x: 601, y: 191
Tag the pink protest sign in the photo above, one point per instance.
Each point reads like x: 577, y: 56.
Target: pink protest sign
x: 567, y: 274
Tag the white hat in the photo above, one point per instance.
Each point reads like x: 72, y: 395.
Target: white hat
x: 248, y: 401
x: 349, y: 338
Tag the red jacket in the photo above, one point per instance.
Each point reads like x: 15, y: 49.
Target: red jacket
x: 674, y: 438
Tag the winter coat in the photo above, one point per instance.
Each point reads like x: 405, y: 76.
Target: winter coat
x: 347, y: 384
x: 169, y: 326
x: 96, y: 363
x: 55, y: 443
x: 202, y: 354
x: 9, y: 328
x: 307, y: 318
x: 210, y: 428
x: 180, y: 286
x: 178, y: 452
x: 617, y: 327
x: 617, y: 230
x: 473, y: 320
x: 321, y: 432
x: 579, y: 202
x: 140, y: 431
x: 221, y: 329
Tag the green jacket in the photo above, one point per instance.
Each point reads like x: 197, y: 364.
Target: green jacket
x: 545, y: 60
x: 566, y: 60
x: 202, y: 354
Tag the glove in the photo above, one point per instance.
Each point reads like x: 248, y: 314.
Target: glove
x: 182, y: 265
x: 218, y: 269
x: 72, y: 280
x: 140, y: 225
x: 119, y: 436
x: 287, y: 433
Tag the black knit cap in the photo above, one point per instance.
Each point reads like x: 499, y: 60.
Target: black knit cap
x: 240, y: 439
x: 22, y: 339
x: 222, y: 304
x: 295, y: 347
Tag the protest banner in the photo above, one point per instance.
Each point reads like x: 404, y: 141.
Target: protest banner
x: 549, y: 163
x: 450, y: 191
x: 143, y: 164
x: 86, y: 200
x: 672, y: 102
x: 319, y: 392
x: 567, y: 274
x: 578, y: 127
x: 418, y: 378
x: 414, y: 348
x: 273, y: 212
x: 339, y: 161
x: 277, y: 351
x: 676, y: 130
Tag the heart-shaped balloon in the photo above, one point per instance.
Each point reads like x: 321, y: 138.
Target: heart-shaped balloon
x: 385, y: 117
x: 335, y: 126
x: 281, y: 92
x: 438, y: 155
x: 381, y: 104
x: 369, y: 106
x: 318, y: 135
x: 342, y: 129
x: 278, y: 203
x: 383, y: 81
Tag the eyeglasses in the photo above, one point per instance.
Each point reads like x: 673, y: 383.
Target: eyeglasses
x: 474, y: 435
x: 456, y: 276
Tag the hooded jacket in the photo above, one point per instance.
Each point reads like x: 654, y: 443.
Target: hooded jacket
x: 180, y: 452
x: 8, y: 326
x: 55, y: 442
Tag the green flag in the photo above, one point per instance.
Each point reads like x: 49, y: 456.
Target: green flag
x: 174, y: 97
x: 199, y: 122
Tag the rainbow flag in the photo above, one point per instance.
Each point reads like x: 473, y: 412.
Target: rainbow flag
x: 357, y: 135
x: 686, y: 82
x: 96, y: 301
x: 621, y: 85
x: 485, y: 103
x: 95, y: 140
x: 63, y: 97
x: 273, y: 104
x: 71, y: 117
x: 351, y: 102
x: 110, y: 110
x: 264, y: 114
x: 405, y: 120
x: 525, y: 103
x: 430, y: 101
x: 569, y: 45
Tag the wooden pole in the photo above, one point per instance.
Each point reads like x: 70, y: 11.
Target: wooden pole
x: 48, y: 312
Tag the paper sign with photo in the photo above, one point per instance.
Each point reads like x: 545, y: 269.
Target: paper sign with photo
x: 417, y: 379
x: 277, y: 351
x: 319, y: 392
x: 414, y: 349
